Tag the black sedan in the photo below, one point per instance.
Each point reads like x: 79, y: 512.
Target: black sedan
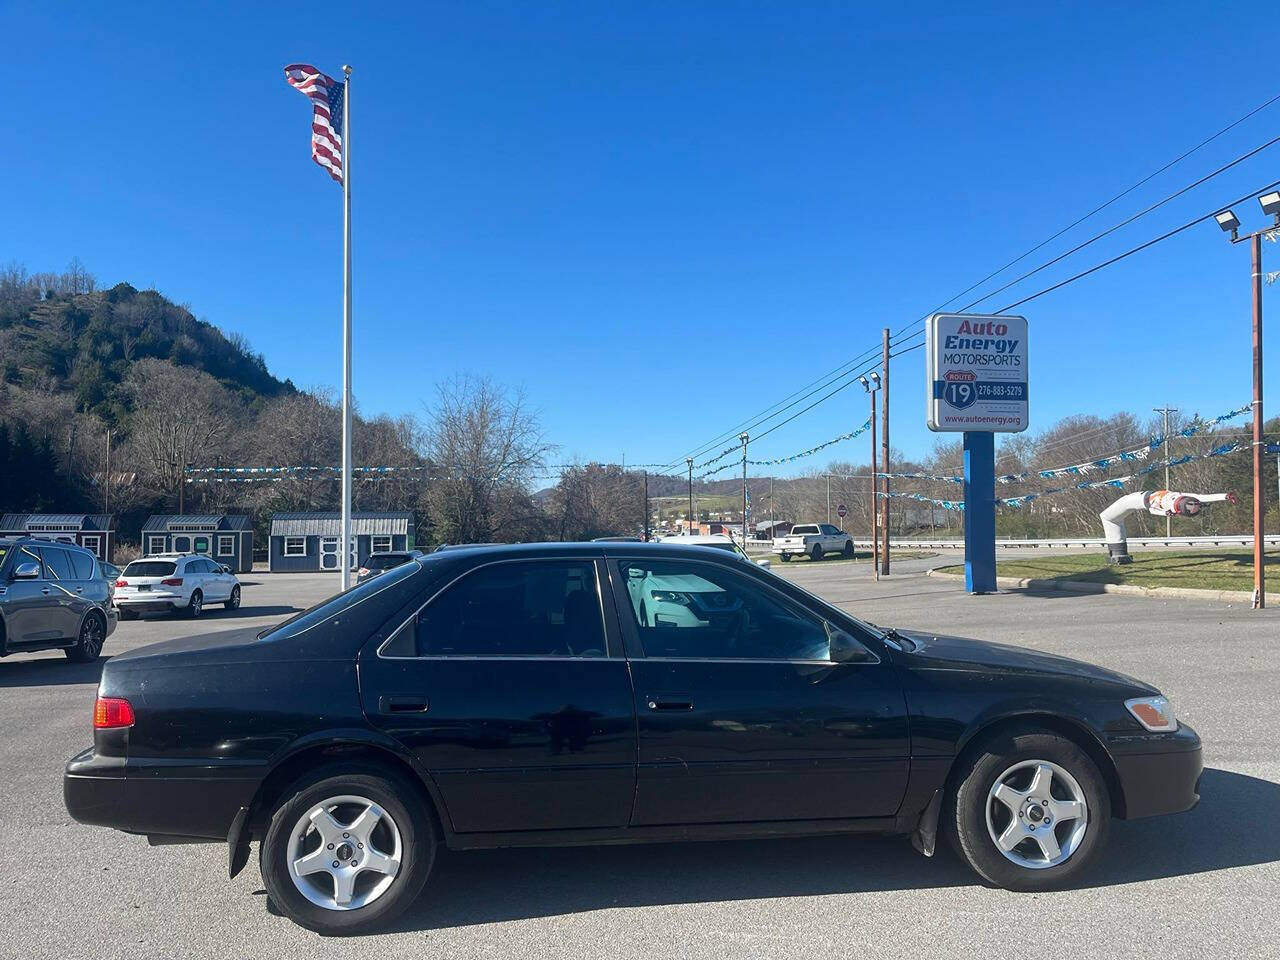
x: 606, y: 692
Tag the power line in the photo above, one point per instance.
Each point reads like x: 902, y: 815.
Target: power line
x: 839, y: 372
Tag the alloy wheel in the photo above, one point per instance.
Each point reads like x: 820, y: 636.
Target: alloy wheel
x: 91, y: 637
x: 344, y: 853
x: 1037, y: 815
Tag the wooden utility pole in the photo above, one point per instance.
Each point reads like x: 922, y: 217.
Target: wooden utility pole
x: 884, y: 455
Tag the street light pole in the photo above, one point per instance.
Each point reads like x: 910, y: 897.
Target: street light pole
x: 1230, y: 223
x: 743, y: 437
x: 828, y: 499
x: 875, y: 533
x: 1166, y: 410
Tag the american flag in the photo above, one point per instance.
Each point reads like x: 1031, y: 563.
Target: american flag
x: 326, y: 124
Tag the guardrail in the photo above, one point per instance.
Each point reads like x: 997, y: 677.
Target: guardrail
x: 1217, y: 540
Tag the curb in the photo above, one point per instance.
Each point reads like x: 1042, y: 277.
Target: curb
x: 1087, y: 586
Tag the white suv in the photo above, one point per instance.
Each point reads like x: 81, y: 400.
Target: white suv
x: 176, y: 582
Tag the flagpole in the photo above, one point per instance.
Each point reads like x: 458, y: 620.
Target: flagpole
x: 346, y: 328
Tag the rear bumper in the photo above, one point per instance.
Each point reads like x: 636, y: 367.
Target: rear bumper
x: 1160, y: 775
x: 106, y: 792
x: 151, y: 601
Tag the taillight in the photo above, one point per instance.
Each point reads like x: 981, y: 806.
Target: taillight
x: 172, y: 582
x: 122, y: 583
x: 362, y: 571
x: 112, y: 712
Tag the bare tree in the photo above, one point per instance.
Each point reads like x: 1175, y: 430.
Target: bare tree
x: 179, y: 416
x: 485, y: 445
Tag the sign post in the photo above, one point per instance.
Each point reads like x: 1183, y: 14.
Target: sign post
x: 842, y: 511
x: 976, y: 378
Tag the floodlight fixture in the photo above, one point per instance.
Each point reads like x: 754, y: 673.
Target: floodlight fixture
x: 1270, y: 203
x: 1229, y: 223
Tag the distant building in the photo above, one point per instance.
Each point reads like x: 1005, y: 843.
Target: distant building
x: 768, y: 529
x: 93, y: 531
x: 302, y: 542
x: 228, y: 539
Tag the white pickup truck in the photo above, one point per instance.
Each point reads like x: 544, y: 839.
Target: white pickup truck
x: 813, y: 540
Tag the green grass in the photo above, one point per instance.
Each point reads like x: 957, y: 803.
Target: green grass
x: 1197, y: 569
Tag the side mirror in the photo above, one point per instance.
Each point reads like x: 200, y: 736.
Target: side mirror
x: 845, y: 649
x: 225, y: 568
x: 764, y: 563
x: 27, y: 571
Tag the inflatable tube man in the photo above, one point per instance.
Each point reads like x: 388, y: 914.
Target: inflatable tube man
x: 1159, y: 503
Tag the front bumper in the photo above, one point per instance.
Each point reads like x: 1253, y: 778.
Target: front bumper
x: 195, y: 802
x: 1159, y: 774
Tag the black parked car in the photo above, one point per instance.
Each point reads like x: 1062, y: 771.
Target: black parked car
x: 581, y: 693
x: 53, y: 596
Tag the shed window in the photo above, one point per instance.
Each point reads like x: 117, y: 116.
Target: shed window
x: 226, y: 544
x: 295, y: 546
x: 155, y: 543
x: 381, y: 544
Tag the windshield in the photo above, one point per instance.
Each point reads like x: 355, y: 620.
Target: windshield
x: 150, y: 568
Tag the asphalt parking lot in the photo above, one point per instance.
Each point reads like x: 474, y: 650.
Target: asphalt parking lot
x: 1198, y: 885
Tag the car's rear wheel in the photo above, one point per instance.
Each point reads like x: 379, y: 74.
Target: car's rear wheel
x: 817, y: 551
x: 233, y: 602
x: 1031, y: 811
x: 786, y: 558
x: 88, y: 648
x: 348, y: 850
x: 196, y: 605
x: 848, y: 549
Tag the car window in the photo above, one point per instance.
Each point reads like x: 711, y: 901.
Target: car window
x: 57, y: 564
x: 385, y: 561
x: 803, y: 528
x: 81, y: 565
x: 703, y: 611
x: 536, y: 608
x: 150, y: 568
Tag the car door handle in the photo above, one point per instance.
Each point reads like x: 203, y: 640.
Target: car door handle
x: 45, y: 591
x: 79, y: 589
x: 402, y: 705
x: 670, y: 701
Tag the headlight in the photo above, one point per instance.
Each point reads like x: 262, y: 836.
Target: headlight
x: 671, y: 596
x: 1154, y: 713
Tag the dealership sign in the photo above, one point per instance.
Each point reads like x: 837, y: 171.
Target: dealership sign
x: 976, y: 373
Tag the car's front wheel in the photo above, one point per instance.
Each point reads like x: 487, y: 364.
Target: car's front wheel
x: 848, y: 549
x: 348, y: 850
x: 1030, y: 812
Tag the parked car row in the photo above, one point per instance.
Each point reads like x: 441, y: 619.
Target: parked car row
x: 60, y: 596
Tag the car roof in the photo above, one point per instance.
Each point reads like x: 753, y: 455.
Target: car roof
x: 667, y: 548
x: 43, y: 541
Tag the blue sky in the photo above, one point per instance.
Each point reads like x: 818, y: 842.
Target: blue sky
x: 655, y: 218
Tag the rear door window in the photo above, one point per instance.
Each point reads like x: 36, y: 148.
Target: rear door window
x: 81, y: 565
x: 535, y: 608
x: 57, y: 563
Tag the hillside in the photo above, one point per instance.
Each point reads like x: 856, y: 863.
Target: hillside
x: 60, y: 335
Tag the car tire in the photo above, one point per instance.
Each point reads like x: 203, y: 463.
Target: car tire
x: 976, y: 821
x: 93, y: 633
x: 195, y: 606
x: 233, y: 602
x: 817, y: 552
x: 848, y: 549
x: 402, y: 806
x: 786, y: 558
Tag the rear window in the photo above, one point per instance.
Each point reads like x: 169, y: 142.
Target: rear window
x: 385, y: 561
x: 150, y: 568
x: 343, y: 601
x: 804, y: 529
